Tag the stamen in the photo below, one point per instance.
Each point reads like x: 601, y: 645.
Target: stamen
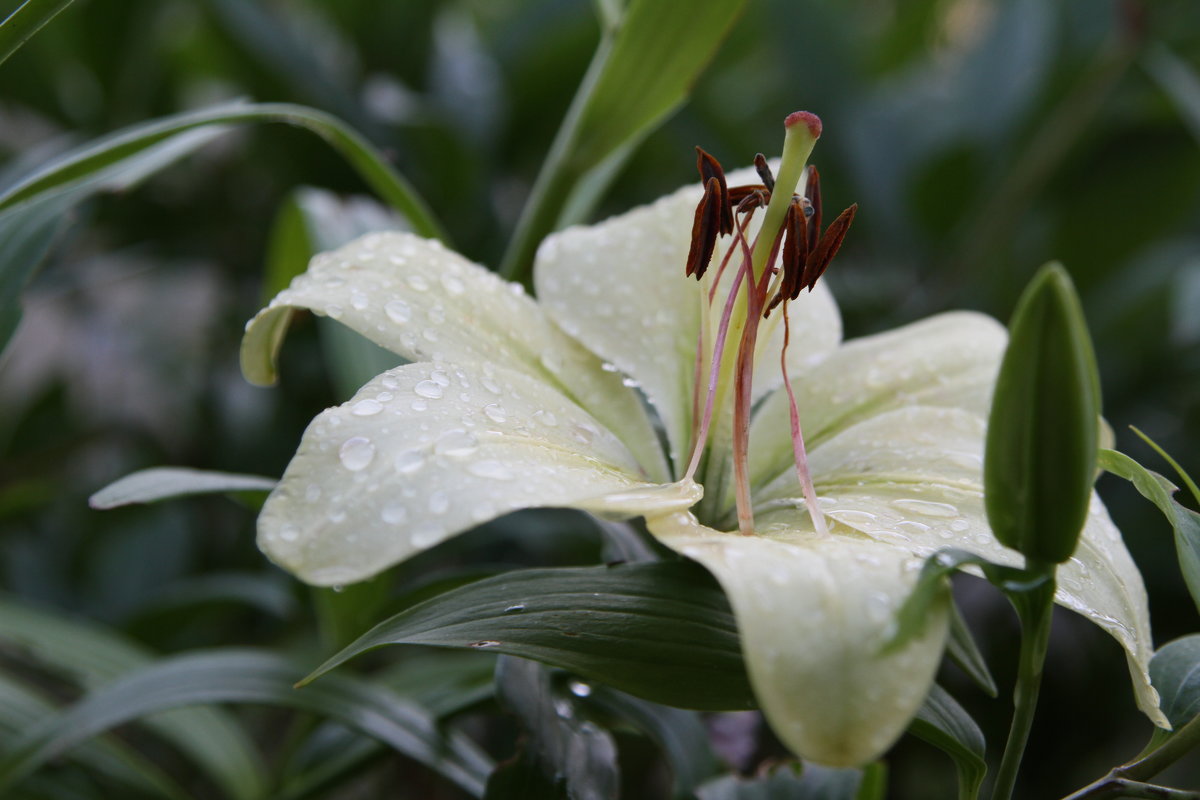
x: 798, y: 451
x: 705, y: 228
x: 764, y: 171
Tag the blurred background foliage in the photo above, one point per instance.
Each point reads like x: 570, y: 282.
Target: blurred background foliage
x: 981, y: 138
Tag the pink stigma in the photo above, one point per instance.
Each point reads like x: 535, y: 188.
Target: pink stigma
x: 807, y: 118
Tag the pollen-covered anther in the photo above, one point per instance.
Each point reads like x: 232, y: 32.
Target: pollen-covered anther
x: 807, y: 252
x: 714, y: 214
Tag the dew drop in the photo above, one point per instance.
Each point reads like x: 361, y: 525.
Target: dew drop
x: 547, y: 418
x: 490, y: 469
x: 409, y: 461
x: 495, y: 412
x: 630, y: 382
x: 439, y: 377
x: 394, y: 513
x: 926, y: 508
x: 418, y: 404
x: 313, y: 493
x: 418, y: 282
x: 490, y: 385
x: 515, y: 609
x: 583, y: 434
x: 430, y: 335
x: 456, y: 442
x: 426, y: 535
x: 428, y: 388
x: 579, y: 688
x: 358, y: 300
x: 334, y: 310
x: 453, y: 285
x: 485, y: 643
x: 366, y: 408
x: 608, y: 366
x: 289, y: 533
x: 439, y: 502
x: 398, y: 311
x: 959, y: 525
x: 356, y: 453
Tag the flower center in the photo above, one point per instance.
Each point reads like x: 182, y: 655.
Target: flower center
x: 788, y: 254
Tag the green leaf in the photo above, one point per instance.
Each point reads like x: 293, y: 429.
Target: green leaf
x: 943, y: 723
x: 28, y: 19
x: 21, y: 708
x: 164, y: 483
x: 1184, y: 521
x: 634, y: 83
x: 662, y: 631
x: 681, y: 734
x: 92, y: 657
x: 1042, y: 434
x: 578, y: 759
x: 1175, y: 672
x: 31, y: 210
x: 249, y: 676
x: 1183, y: 476
x: 787, y: 782
x: 965, y: 653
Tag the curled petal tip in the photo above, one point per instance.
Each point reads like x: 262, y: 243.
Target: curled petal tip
x: 807, y: 118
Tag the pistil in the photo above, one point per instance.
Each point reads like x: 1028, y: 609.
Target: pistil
x: 786, y: 226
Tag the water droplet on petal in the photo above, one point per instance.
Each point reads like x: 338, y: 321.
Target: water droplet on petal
x: 430, y: 389
x: 490, y: 469
x: 490, y: 385
x: 358, y: 300
x: 452, y: 284
x: 439, y: 377
x: 926, y: 508
x: 456, y: 442
x: 547, y: 418
x: 418, y: 282
x: 515, y: 609
x: 495, y: 412
x: 356, y: 453
x: 426, y: 535
x: 366, y: 408
x: 398, y: 311
x: 959, y: 525
x: 289, y: 533
x: 394, y: 513
x: 409, y: 461
x: 579, y: 688
x: 313, y: 493
x: 439, y: 502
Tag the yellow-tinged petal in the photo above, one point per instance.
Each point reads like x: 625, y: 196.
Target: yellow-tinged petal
x: 619, y: 287
x: 426, y: 451
x: 912, y: 478
x: 426, y: 303
x: 813, y: 613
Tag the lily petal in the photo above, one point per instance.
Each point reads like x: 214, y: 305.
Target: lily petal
x: 949, y: 360
x: 912, y: 478
x: 425, y: 451
x: 619, y: 287
x: 814, y: 613
x: 427, y: 303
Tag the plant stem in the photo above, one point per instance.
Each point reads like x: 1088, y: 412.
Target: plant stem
x: 1121, y: 787
x: 1034, y: 609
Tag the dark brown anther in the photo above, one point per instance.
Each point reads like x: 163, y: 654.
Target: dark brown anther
x: 827, y: 247
x: 812, y: 191
x: 795, y: 253
x: 709, y: 169
x: 748, y: 198
x: 706, y: 227
x: 764, y: 172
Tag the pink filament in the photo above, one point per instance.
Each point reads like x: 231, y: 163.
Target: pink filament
x: 798, y: 451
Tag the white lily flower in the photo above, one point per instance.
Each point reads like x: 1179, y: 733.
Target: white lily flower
x: 510, y: 403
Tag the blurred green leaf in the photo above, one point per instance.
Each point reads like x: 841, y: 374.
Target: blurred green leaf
x: 1040, y: 460
x: 1184, y: 521
x: 681, y: 734
x: 633, y: 84
x: 1175, y: 673
x: 165, y: 483
x: 961, y: 648
x: 662, y: 631
x: 25, y: 21
x: 21, y: 708
x: 93, y: 657
x: 249, y: 676
x: 1179, y: 81
x: 787, y: 782
x: 945, y: 724
x: 577, y: 758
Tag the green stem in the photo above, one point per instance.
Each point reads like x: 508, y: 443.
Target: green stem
x: 1034, y: 609
x: 1110, y: 787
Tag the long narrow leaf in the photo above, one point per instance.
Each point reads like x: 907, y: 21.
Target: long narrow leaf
x: 249, y: 676
x: 29, y: 18
x: 164, y: 483
x: 634, y: 83
x: 662, y: 631
x: 92, y: 657
x: 943, y: 723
